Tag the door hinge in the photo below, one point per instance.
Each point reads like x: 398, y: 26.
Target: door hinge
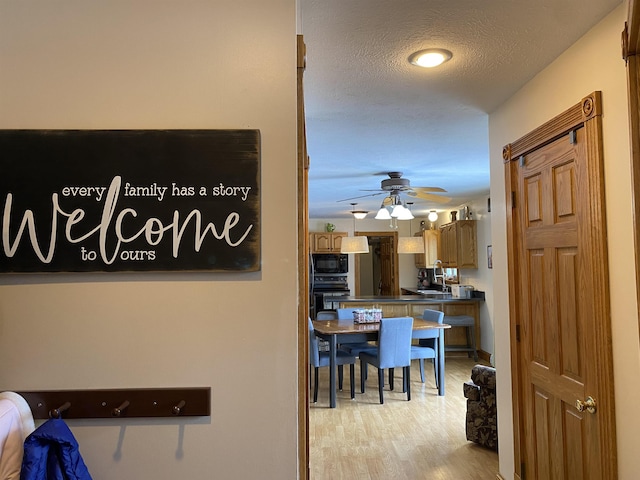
x: 513, y: 199
x: 573, y: 137
x: 517, y: 332
x: 522, y: 161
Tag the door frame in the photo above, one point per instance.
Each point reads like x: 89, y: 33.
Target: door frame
x: 588, y: 115
x: 630, y: 50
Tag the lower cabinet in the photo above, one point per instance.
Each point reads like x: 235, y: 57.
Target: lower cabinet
x: 455, y: 336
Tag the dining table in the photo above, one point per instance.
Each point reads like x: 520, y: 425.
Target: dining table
x: 337, y: 332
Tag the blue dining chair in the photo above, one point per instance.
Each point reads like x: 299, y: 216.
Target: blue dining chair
x: 319, y: 359
x: 394, y: 351
x: 427, y: 347
x: 357, y: 347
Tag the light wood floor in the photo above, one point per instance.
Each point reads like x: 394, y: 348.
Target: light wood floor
x: 420, y: 439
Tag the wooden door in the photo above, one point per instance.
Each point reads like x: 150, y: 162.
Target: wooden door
x: 559, y: 303
x: 387, y: 256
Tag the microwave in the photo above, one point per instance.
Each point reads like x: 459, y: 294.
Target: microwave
x: 330, y: 263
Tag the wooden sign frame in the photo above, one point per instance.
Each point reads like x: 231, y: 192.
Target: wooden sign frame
x: 129, y: 200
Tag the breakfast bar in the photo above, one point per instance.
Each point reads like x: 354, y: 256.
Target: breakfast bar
x: 414, y: 305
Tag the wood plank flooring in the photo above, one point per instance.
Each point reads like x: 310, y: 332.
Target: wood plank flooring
x: 420, y: 439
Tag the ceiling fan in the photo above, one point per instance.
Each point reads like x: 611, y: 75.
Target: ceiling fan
x: 396, y: 184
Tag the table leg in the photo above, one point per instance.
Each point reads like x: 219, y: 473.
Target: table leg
x: 333, y: 345
x: 440, y: 366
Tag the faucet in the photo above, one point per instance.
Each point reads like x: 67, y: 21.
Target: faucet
x: 436, y: 276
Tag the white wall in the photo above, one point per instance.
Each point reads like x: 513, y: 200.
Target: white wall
x: 140, y: 64
x: 593, y: 63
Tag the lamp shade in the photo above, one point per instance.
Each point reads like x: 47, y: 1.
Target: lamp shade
x: 433, y: 216
x: 354, y: 245
x: 409, y: 245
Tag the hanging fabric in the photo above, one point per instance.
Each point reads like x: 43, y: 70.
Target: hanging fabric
x: 16, y: 422
x: 51, y: 452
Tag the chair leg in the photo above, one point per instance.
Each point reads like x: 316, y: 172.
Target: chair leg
x: 381, y: 384
x: 352, y: 380
x: 340, y: 376
x: 421, y: 369
x: 406, y: 377
x: 391, y: 374
x: 315, y: 385
x: 363, y: 367
x: 435, y: 371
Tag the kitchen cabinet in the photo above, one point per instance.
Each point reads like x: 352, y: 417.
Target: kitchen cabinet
x: 459, y: 244
x: 431, y: 248
x: 326, y: 242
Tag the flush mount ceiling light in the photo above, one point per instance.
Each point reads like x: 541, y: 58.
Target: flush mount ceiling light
x: 359, y: 214
x: 431, y: 57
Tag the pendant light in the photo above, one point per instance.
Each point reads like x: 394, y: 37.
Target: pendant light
x: 410, y: 244
x: 355, y: 244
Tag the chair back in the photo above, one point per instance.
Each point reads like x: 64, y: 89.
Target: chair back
x: 345, y: 313
x: 326, y: 315
x: 314, y: 351
x: 433, y: 315
x: 427, y: 336
x: 394, y: 342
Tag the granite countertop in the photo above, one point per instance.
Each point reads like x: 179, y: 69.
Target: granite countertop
x: 419, y: 298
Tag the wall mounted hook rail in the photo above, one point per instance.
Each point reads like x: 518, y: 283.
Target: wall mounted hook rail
x: 57, y: 412
x: 116, y: 412
x: 140, y: 402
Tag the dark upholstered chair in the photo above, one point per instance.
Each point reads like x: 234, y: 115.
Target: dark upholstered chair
x: 482, y: 423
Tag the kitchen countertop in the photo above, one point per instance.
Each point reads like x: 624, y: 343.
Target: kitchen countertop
x: 418, y: 298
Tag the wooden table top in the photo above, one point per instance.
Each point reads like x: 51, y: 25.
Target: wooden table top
x: 329, y: 327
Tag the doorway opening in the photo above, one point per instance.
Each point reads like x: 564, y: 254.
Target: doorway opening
x: 376, y: 272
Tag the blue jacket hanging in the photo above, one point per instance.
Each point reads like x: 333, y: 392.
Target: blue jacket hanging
x: 51, y: 452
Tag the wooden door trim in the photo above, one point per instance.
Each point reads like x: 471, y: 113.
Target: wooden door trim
x: 586, y: 114
x: 303, y: 267
x: 630, y: 50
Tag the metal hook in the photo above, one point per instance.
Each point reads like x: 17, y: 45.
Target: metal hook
x: 177, y: 409
x: 116, y: 412
x: 57, y: 412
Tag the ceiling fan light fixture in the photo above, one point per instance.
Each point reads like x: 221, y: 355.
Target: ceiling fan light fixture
x: 431, y: 57
x: 383, y: 214
x: 405, y: 214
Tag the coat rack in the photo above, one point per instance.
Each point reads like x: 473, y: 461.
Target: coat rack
x: 120, y: 403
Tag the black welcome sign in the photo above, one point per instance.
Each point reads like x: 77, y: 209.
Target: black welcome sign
x: 129, y: 200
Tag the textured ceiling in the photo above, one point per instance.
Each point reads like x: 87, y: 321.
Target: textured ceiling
x: 369, y: 111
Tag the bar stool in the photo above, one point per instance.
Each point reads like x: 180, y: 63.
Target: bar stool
x: 469, y: 323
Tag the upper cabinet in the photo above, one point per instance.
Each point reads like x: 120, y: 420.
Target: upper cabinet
x: 459, y: 245
x: 431, y: 248
x: 326, y: 242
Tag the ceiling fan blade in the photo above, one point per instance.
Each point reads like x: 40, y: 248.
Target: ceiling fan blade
x: 428, y: 189
x: 361, y: 196
x: 430, y: 196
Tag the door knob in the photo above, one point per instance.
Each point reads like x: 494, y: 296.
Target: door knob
x: 589, y: 405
